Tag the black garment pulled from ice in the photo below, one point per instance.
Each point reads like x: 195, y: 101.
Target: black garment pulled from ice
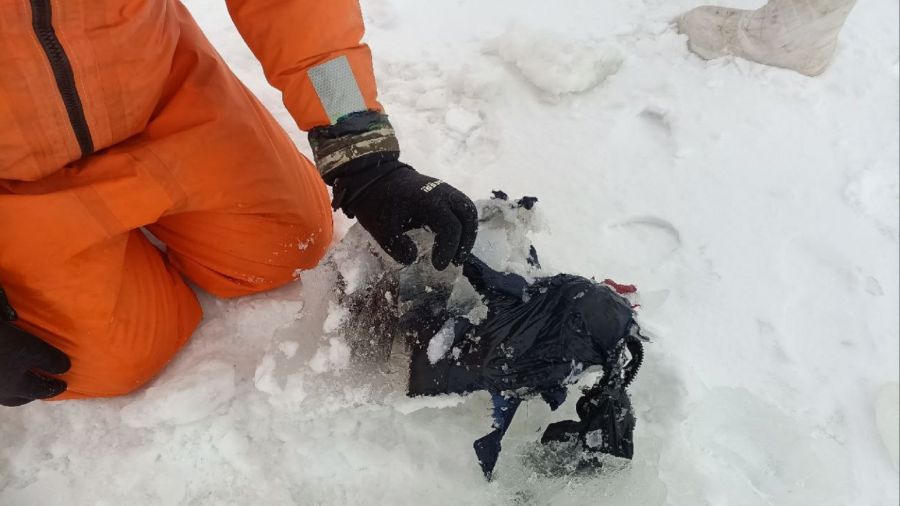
x: 537, y: 338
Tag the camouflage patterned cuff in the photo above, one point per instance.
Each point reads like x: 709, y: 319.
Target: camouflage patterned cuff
x: 352, y: 137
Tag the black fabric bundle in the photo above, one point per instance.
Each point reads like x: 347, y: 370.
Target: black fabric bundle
x: 536, y: 339
x: 533, y: 339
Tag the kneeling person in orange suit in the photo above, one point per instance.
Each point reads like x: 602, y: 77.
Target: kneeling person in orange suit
x: 125, y: 118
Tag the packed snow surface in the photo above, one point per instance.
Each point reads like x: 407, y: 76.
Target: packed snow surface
x: 755, y: 208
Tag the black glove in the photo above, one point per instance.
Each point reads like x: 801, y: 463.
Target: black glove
x: 394, y: 199
x: 20, y: 354
x: 358, y: 156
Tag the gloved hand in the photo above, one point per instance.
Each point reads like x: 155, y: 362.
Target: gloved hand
x: 358, y: 156
x: 20, y: 354
x: 398, y: 200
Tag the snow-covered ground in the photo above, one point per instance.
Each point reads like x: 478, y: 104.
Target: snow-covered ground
x: 756, y: 209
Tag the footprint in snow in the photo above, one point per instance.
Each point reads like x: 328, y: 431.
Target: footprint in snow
x: 746, y: 447
x: 645, y: 241
x: 830, y: 297
x: 873, y: 193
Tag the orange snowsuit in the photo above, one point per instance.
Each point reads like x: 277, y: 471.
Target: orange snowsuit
x: 118, y: 116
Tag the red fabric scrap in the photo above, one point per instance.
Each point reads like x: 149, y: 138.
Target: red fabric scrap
x: 619, y: 288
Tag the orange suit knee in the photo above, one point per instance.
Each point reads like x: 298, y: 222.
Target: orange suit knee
x: 117, y: 310
x: 212, y: 175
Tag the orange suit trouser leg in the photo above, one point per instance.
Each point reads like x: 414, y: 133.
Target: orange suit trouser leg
x: 213, y: 176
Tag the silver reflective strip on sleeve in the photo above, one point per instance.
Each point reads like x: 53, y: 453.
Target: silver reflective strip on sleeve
x: 337, y: 88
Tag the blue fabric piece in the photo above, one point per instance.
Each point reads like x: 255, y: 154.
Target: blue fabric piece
x: 488, y: 281
x: 487, y: 448
x: 554, y: 398
x: 504, y: 410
